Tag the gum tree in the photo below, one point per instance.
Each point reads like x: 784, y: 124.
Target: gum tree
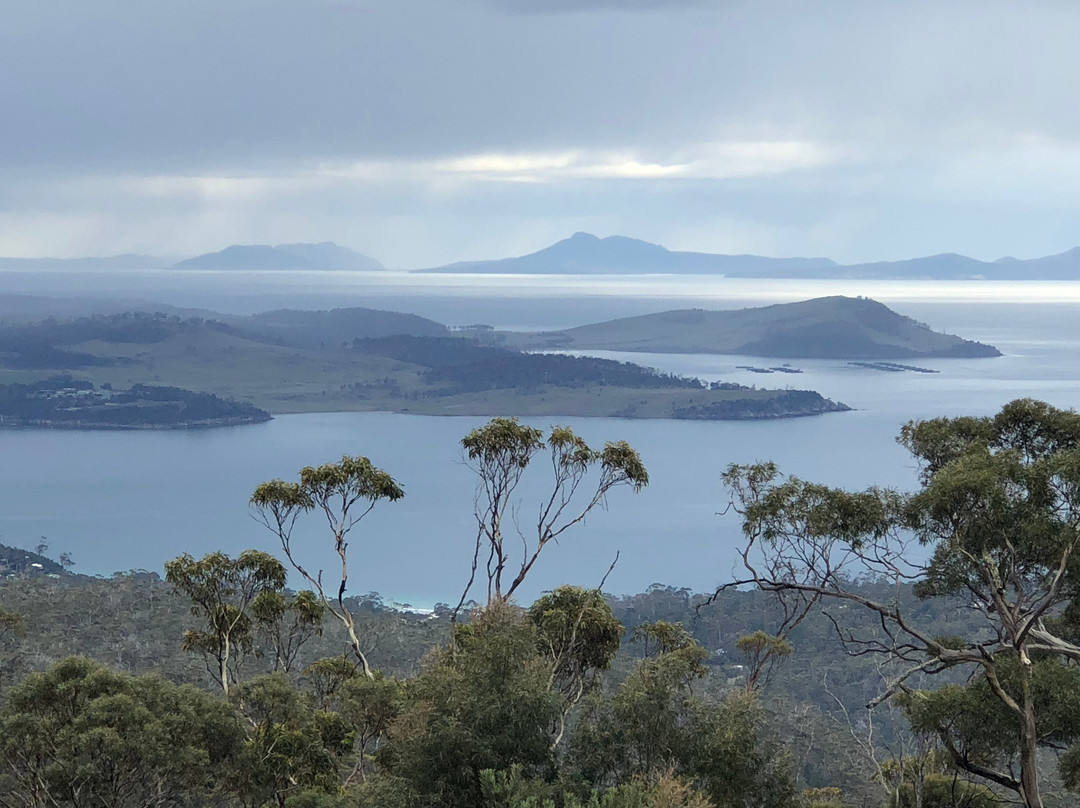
x: 225, y: 592
x: 994, y: 524
x: 344, y: 493
x: 499, y: 453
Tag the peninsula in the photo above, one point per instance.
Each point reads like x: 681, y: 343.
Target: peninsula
x: 823, y: 328
x: 63, y: 402
x: 366, y: 360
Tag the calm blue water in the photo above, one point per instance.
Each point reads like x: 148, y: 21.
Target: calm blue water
x: 119, y: 501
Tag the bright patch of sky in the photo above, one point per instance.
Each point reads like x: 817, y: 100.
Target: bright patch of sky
x: 424, y: 132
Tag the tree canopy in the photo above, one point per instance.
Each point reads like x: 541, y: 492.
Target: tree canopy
x: 995, y: 523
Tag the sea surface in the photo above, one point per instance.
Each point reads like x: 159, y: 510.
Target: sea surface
x: 122, y: 500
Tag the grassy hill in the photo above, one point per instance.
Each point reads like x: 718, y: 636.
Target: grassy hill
x: 352, y: 360
x: 823, y: 328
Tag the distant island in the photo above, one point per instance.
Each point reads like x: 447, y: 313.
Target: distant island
x: 823, y: 328
x: 63, y: 402
x: 586, y: 254
x: 344, y: 360
x: 322, y: 256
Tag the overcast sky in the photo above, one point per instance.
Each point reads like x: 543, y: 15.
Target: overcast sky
x: 428, y: 131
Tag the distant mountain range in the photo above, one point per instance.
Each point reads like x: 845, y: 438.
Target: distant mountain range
x: 947, y: 266
x: 322, y: 256
x: 824, y: 328
x: 585, y: 254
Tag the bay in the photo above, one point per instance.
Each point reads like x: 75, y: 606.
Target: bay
x: 120, y: 500
x: 128, y: 500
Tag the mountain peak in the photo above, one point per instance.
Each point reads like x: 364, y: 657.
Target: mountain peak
x: 325, y: 255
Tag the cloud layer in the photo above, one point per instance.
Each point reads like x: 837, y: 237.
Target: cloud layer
x: 426, y: 131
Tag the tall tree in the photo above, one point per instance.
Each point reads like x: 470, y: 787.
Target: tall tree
x: 228, y: 594
x: 344, y: 493
x: 998, y: 512
x: 500, y: 452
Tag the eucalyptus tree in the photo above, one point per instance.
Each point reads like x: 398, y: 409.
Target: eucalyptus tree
x: 499, y: 453
x: 230, y: 595
x: 578, y: 636
x: 485, y: 702
x: 655, y: 725
x: 995, y: 525
x: 80, y: 734
x: 289, y: 746
x: 344, y: 493
x: 287, y: 622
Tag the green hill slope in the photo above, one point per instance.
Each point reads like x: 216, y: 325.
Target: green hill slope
x: 823, y: 328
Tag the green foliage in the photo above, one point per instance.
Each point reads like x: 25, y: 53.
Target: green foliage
x: 484, y: 702
x: 290, y: 747
x: 511, y: 789
x: 662, y: 637
x: 500, y: 452
x: 578, y: 633
x: 80, y: 734
x: 272, y: 610
x: 326, y: 677
x: 229, y: 595
x: 368, y: 708
x: 944, y: 791
x: 12, y: 628
x: 762, y: 651
x: 656, y: 725
x: 973, y: 719
x: 999, y: 506
x: 828, y: 797
x: 733, y: 759
x: 502, y: 449
x: 344, y: 493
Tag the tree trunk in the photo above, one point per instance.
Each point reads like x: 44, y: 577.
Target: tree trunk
x: 225, y: 666
x: 1029, y: 741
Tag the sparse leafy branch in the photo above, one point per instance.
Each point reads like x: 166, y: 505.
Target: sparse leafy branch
x: 762, y: 651
x: 288, y: 622
x: 344, y: 493
x: 999, y: 508
x: 499, y: 454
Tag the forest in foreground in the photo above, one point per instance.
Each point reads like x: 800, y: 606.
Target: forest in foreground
x: 951, y: 611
